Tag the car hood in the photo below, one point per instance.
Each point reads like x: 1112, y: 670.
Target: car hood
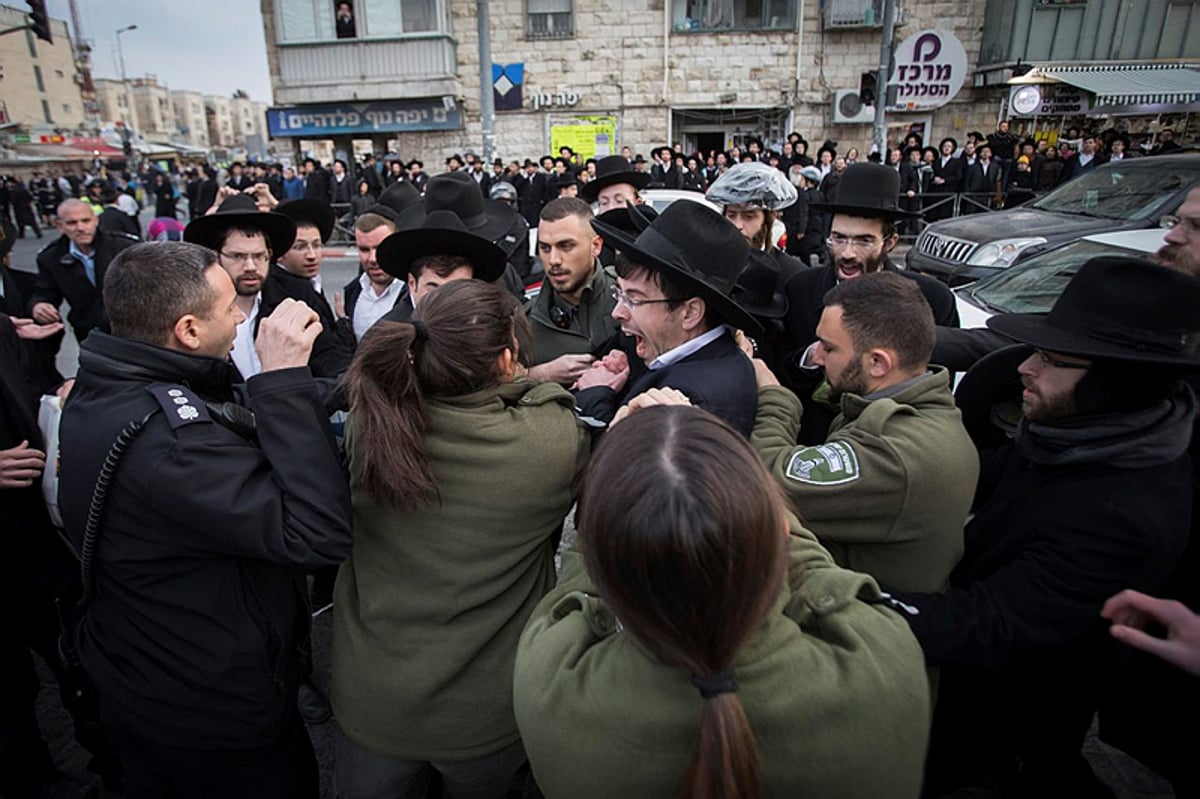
x: 1021, y: 222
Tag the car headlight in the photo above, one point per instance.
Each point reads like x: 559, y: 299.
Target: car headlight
x: 1002, y: 252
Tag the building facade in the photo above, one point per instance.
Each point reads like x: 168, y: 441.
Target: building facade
x: 190, y: 119
x: 116, y: 102
x: 155, y: 110
x: 40, y: 86
x: 403, y: 75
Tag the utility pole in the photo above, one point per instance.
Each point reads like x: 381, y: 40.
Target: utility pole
x: 487, y: 103
x: 879, y: 139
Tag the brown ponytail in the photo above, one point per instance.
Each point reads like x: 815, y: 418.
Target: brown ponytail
x: 450, y: 349
x: 681, y: 529
x: 724, y: 763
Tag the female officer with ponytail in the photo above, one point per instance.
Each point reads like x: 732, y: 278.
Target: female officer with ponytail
x: 703, y: 644
x: 461, y: 474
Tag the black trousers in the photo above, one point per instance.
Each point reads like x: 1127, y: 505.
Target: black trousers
x: 284, y: 769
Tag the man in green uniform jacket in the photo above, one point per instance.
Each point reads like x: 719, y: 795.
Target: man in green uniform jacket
x: 889, y: 491
x: 572, y: 315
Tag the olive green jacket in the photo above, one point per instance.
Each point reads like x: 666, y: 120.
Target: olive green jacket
x: 591, y: 326
x: 833, y: 687
x: 430, y: 605
x: 889, y: 492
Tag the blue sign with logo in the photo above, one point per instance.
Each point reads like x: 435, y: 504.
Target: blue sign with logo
x: 379, y: 116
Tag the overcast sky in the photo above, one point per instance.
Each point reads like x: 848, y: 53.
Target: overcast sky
x: 211, y: 46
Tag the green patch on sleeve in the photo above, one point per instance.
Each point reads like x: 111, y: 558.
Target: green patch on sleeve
x: 830, y: 464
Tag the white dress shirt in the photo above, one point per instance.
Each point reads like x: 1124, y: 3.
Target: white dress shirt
x: 371, y: 307
x: 245, y: 357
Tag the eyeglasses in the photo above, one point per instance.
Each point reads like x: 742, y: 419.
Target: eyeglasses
x: 624, y: 299
x: 1049, y: 360
x: 259, y: 258
x: 837, y: 241
x: 306, y: 247
x: 1191, y: 224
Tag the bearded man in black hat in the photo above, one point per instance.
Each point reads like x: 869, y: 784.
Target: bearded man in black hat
x: 862, y: 233
x: 1092, y: 496
x: 675, y: 282
x: 247, y: 242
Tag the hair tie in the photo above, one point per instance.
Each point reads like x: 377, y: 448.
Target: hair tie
x: 715, y: 684
x: 420, y: 332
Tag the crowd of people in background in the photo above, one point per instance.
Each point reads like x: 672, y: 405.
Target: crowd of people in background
x: 984, y: 172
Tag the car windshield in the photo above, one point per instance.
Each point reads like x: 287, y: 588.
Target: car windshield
x: 1119, y: 192
x: 1034, y: 285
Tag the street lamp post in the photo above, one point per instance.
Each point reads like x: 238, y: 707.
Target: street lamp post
x: 125, y: 87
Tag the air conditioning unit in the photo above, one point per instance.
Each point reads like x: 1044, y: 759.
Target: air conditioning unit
x: 849, y: 109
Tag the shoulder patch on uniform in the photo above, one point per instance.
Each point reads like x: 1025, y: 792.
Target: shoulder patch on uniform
x: 829, y: 464
x: 179, y: 404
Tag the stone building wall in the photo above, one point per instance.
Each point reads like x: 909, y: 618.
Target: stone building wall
x: 615, y: 64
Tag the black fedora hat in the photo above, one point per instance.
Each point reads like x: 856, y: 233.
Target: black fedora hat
x: 311, y: 212
x: 1117, y: 309
x: 610, y: 171
x: 458, y: 193
x: 620, y: 219
x: 440, y: 233
x: 240, y: 211
x: 868, y: 190
x: 757, y: 287
x: 695, y: 247
x: 400, y: 195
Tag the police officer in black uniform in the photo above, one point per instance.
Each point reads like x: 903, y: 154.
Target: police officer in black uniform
x: 216, y: 507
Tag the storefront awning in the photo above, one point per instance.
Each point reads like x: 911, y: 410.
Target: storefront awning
x: 1125, y: 84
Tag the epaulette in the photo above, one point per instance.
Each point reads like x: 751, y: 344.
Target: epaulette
x: 179, y: 404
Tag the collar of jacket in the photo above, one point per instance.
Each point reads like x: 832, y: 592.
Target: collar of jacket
x: 540, y: 309
x: 125, y: 359
x: 933, y: 387
x: 1137, y: 440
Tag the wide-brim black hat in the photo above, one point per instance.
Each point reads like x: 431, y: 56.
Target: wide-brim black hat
x: 989, y: 396
x: 441, y: 233
x: 315, y: 213
x: 868, y: 190
x: 395, y: 200
x: 757, y: 287
x: 458, y: 193
x: 695, y: 247
x: 1117, y: 309
x: 610, y: 171
x: 620, y: 219
x: 239, y: 210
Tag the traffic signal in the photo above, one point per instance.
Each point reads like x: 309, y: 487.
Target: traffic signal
x: 39, y: 21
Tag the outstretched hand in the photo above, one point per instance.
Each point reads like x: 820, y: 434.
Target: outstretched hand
x: 650, y: 398
x: 1130, y: 612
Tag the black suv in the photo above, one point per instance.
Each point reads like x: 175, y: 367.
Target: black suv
x: 1122, y: 195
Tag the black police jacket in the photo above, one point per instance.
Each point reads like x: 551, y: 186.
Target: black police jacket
x: 200, y: 605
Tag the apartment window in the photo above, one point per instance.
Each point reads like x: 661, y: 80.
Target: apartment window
x: 550, y: 19
x: 308, y: 20
x: 46, y: 112
x: 37, y: 78
x: 32, y: 45
x: 717, y: 15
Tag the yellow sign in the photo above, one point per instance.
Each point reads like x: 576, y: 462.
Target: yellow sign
x: 587, y: 136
